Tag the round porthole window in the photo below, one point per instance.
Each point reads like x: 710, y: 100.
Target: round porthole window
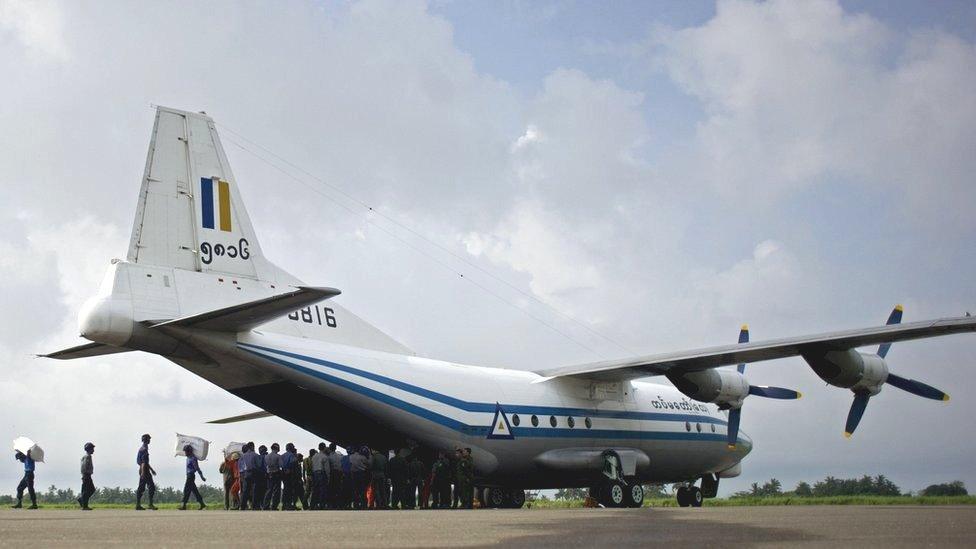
x: 552, y: 420
x: 535, y: 421
x: 571, y: 422
x: 687, y: 426
x: 713, y: 427
x: 698, y: 427
x: 516, y: 420
x: 588, y: 423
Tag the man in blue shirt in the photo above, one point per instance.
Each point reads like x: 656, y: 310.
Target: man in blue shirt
x: 146, y: 474
x: 289, y: 474
x: 248, y: 465
x: 192, y: 468
x: 27, y: 482
x: 273, y: 462
x: 261, y: 482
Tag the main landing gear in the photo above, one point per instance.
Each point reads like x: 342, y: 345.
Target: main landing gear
x: 613, y: 489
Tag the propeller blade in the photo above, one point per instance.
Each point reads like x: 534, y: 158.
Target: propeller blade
x: 743, y: 338
x: 893, y: 318
x: 857, y: 410
x: 735, y: 415
x: 916, y: 388
x: 774, y: 392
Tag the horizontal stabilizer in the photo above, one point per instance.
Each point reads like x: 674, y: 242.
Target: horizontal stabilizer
x: 248, y: 315
x: 242, y: 417
x: 86, y: 350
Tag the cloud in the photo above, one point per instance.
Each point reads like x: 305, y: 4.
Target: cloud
x: 799, y: 94
x: 38, y: 25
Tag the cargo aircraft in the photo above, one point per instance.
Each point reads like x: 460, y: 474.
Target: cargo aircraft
x: 197, y: 289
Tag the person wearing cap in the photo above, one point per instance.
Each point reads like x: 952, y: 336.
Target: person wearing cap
x: 146, y: 474
x: 192, y: 468
x: 87, y: 470
x: 26, y: 483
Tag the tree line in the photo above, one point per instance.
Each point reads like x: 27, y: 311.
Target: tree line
x: 119, y: 495
x: 864, y: 486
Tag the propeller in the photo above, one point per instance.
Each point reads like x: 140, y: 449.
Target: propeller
x: 910, y: 385
x: 735, y: 414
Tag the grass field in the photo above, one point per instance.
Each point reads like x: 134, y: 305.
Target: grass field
x: 750, y: 502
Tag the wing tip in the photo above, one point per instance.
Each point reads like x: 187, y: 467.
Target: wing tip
x: 899, y: 308
x: 945, y: 397
x: 847, y: 434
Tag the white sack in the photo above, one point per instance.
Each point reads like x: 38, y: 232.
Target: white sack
x: 23, y: 444
x: 233, y: 447
x: 200, y: 446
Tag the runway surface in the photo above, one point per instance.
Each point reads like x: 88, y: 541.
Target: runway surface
x: 826, y: 526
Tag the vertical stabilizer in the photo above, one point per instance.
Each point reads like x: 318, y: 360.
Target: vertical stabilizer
x: 190, y: 213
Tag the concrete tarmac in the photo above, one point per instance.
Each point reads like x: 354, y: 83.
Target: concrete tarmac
x: 823, y: 526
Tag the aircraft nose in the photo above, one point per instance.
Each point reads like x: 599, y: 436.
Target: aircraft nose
x: 744, y: 442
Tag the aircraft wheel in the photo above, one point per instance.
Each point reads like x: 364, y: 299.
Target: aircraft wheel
x: 514, y: 499
x: 696, y: 498
x: 617, y: 494
x: 635, y: 495
x: 494, y: 497
x: 683, y: 497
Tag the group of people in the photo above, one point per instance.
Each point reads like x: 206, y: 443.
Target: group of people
x: 264, y: 479
x: 361, y: 479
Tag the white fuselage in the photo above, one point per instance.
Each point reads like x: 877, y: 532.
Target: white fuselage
x: 442, y: 405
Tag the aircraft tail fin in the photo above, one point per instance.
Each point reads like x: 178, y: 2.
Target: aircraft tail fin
x: 190, y: 213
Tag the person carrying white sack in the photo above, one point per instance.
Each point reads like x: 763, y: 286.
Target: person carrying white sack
x: 192, y: 468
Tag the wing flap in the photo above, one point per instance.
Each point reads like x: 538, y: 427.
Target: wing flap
x: 724, y: 355
x: 243, y: 417
x: 248, y: 315
x: 84, y: 351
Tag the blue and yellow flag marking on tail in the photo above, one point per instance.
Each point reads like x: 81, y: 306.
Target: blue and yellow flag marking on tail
x: 223, y: 203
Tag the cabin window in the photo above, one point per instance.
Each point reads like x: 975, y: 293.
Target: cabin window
x: 713, y: 427
x: 698, y: 427
x: 571, y: 422
x: 588, y: 422
x: 552, y: 420
x: 516, y: 420
x: 688, y: 426
x: 535, y: 421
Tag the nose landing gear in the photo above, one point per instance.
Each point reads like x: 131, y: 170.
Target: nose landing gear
x: 690, y: 496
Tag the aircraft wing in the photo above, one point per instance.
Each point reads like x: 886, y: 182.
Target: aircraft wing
x: 714, y: 357
x: 248, y: 315
x: 84, y: 351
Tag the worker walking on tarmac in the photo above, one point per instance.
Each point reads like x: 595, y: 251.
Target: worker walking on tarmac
x: 466, y: 479
x: 146, y: 474
x: 26, y: 483
x: 87, y: 470
x: 192, y: 468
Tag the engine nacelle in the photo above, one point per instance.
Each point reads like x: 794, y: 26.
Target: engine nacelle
x: 850, y: 369
x: 726, y: 388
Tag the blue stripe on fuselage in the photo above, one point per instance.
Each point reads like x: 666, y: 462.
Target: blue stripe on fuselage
x: 477, y: 430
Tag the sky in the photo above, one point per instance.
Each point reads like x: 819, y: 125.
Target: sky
x: 658, y: 173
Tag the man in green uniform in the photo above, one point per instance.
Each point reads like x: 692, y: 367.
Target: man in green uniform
x: 466, y: 479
